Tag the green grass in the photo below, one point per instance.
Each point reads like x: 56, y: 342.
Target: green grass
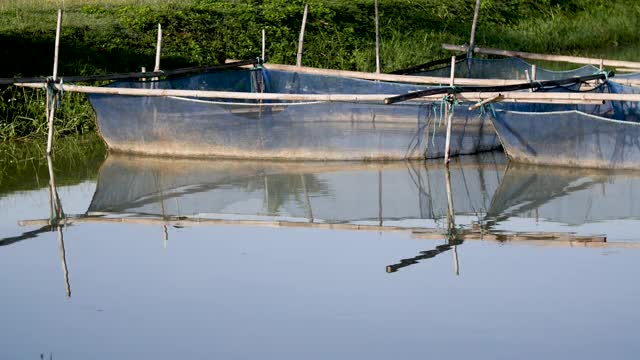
x: 120, y: 35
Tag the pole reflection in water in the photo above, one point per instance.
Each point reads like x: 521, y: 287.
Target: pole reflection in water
x: 473, y: 199
x: 301, y: 192
x: 451, y: 236
x: 57, y: 221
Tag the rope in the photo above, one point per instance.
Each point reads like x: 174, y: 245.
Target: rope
x: 605, y: 73
x: 60, y: 93
x: 51, y: 92
x: 244, y: 104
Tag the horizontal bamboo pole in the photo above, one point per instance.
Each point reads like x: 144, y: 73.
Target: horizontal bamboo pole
x: 553, y: 239
x: 545, y: 57
x: 81, y: 219
x: 134, y: 75
x: 536, y: 238
x: 627, y: 70
x: 541, y: 97
x: 391, y: 77
x: 628, y: 82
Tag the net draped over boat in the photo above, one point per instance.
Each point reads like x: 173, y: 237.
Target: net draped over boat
x: 286, y: 129
x: 508, y: 68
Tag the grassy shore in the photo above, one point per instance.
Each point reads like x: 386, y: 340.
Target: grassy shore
x: 120, y: 35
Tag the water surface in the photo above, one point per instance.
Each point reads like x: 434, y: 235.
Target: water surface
x: 166, y: 258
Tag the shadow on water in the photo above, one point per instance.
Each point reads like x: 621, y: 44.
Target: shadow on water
x: 476, y: 198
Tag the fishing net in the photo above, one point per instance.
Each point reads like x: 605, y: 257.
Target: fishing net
x: 284, y: 129
x: 586, y: 135
x: 507, y: 68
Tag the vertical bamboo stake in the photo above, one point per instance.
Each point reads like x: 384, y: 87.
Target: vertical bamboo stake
x: 601, y: 64
x: 377, y: 20
x: 52, y: 107
x: 264, y: 45
x: 158, y: 48
x: 301, y: 39
x: 448, y: 115
x: 452, y: 74
x: 472, y: 40
x: 534, y: 72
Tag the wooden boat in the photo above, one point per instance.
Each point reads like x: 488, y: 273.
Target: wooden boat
x: 284, y: 129
x: 594, y: 136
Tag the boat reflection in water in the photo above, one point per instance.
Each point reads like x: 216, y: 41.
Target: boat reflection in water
x: 566, y: 197
x: 476, y: 198
x: 401, y: 194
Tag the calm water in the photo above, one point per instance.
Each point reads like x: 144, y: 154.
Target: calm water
x: 172, y: 259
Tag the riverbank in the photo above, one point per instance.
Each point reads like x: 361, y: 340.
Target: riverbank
x: 120, y: 35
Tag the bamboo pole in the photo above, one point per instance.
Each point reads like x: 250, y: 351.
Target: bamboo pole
x: 533, y: 238
x: 472, y: 39
x: 56, y: 220
x: 264, y: 45
x: 57, y: 46
x: 63, y: 259
x: 390, y: 77
x: 132, y: 75
x: 545, y: 57
x: 621, y: 69
x: 51, y: 97
x: 535, y: 97
x: 528, y: 77
x: 534, y: 72
x: 452, y: 73
x: 486, y: 101
x: 448, y: 115
x: 301, y: 39
x: 158, y: 49
x: 377, y: 24
x: 451, y: 220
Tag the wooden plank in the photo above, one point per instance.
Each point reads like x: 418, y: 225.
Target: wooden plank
x: 545, y: 57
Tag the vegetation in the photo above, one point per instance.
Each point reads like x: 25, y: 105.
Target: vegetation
x: 120, y: 35
x: 23, y: 164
